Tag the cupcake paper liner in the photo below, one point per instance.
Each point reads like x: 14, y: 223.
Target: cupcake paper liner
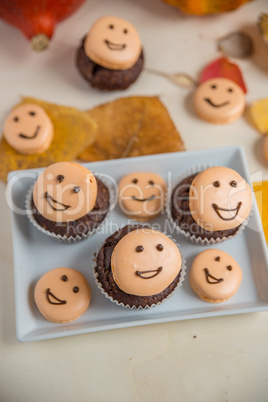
x: 193, y: 238
x: 179, y: 284
x: 70, y: 239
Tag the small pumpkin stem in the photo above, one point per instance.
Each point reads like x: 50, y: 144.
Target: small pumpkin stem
x: 39, y: 42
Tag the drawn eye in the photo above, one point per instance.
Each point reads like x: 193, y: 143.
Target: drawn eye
x: 60, y: 178
x: 229, y: 267
x: 16, y: 118
x: 135, y: 181
x: 125, y: 31
x: 159, y: 247
x: 64, y: 278
x: 32, y: 113
x: 217, y: 258
x: 151, y: 182
x: 233, y: 183
x: 111, y: 26
x: 76, y: 189
x: 216, y: 183
x: 75, y: 289
x: 230, y: 90
x: 213, y: 86
x: 139, y: 249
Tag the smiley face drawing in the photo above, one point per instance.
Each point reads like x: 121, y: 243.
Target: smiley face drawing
x: 219, y: 199
x: 215, y: 276
x: 28, y: 129
x: 113, y: 43
x: 219, y: 100
x: 144, y: 262
x: 141, y: 195
x: 65, y: 191
x: 62, y: 295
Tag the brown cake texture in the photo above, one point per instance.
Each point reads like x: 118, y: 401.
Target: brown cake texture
x: 81, y: 226
x: 105, y: 78
x: 181, y: 213
x: 104, y: 274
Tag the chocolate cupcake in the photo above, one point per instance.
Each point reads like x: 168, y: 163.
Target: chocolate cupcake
x: 138, y: 267
x: 110, y: 56
x: 68, y: 202
x: 210, y: 206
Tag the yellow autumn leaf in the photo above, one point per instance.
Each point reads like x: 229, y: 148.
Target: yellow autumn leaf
x: 261, y: 194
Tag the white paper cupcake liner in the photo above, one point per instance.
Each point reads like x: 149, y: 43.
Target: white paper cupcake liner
x: 179, y: 284
x: 193, y: 238
x: 78, y: 237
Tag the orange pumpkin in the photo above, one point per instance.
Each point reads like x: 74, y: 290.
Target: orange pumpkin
x: 201, y: 7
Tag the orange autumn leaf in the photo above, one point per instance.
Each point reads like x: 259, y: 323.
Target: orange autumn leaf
x: 132, y: 126
x: 222, y: 67
x: 73, y: 131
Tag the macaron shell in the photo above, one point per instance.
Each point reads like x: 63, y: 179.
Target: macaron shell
x: 225, y: 276
x: 76, y: 303
x: 114, y: 43
x: 28, y: 129
x: 218, y: 105
x: 138, y: 184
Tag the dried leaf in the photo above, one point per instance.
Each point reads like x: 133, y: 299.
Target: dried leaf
x: 259, y: 114
x: 222, y: 67
x: 261, y: 194
x: 263, y: 25
x: 73, y: 131
x: 131, y: 127
x: 236, y: 44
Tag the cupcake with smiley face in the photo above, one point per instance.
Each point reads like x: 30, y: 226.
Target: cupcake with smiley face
x: 68, y: 202
x: 138, y: 267
x: 111, y: 56
x: 210, y: 206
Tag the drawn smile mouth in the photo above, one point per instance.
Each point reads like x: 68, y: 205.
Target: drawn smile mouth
x: 115, y: 46
x: 209, y: 277
x: 152, y: 197
x: 52, y: 201
x: 52, y: 299
x: 219, y: 211
x: 152, y: 273
x: 30, y: 137
x: 209, y: 101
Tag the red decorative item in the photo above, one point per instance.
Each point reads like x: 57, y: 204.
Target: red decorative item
x: 37, y: 19
x: 222, y: 67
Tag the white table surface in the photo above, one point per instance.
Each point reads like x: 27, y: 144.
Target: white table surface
x: 215, y: 359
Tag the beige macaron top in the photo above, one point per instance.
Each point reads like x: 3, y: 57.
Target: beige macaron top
x: 62, y: 294
x: 145, y: 262
x: 219, y: 199
x: 28, y: 129
x: 65, y: 191
x: 219, y: 100
x: 113, y: 43
x: 214, y: 275
x: 141, y: 195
